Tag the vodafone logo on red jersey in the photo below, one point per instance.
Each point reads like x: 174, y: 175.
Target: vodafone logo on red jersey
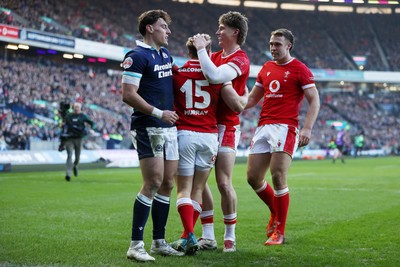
x: 274, y: 86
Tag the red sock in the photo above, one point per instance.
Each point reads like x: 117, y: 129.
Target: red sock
x: 267, y: 195
x: 282, y: 200
x: 196, y: 215
x: 186, y: 212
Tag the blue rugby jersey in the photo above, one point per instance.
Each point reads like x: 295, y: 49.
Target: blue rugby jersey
x: 154, y: 68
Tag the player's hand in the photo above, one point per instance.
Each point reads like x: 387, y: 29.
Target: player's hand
x: 199, y: 41
x: 170, y: 116
x: 304, y: 137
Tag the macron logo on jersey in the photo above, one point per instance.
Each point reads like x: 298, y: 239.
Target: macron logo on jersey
x: 163, y: 70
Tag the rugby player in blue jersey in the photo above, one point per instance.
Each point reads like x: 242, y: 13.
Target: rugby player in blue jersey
x: 147, y: 87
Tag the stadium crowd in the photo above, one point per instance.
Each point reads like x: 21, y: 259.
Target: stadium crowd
x: 36, y: 86
x: 327, y: 40
x: 31, y: 88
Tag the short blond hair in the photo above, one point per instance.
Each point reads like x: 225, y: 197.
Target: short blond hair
x: 192, y: 49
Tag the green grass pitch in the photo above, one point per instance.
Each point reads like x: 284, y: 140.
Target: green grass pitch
x: 340, y: 215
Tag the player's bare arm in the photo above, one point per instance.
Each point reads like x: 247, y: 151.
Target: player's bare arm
x: 133, y: 99
x: 234, y: 101
x: 312, y: 96
x: 255, y: 96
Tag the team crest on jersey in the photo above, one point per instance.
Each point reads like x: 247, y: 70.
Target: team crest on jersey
x: 164, y: 55
x: 287, y: 73
x: 127, y: 63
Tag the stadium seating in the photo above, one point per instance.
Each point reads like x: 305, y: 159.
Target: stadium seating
x: 36, y: 87
x: 324, y: 40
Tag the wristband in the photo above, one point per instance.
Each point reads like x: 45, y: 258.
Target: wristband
x: 157, y: 113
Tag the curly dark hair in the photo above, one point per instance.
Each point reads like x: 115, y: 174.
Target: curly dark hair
x: 151, y: 17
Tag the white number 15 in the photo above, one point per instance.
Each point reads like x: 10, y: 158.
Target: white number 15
x: 187, y: 89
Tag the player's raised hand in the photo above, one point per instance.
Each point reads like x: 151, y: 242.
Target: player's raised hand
x: 199, y: 41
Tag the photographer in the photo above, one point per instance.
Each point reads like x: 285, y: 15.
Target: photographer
x: 75, y: 129
x: 63, y: 111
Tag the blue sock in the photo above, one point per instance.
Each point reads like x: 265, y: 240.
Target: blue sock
x: 159, y: 214
x: 141, y: 211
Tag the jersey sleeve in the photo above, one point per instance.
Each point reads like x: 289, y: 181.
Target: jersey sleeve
x: 259, y: 80
x: 89, y: 121
x: 134, y: 66
x: 240, y: 63
x: 306, y: 78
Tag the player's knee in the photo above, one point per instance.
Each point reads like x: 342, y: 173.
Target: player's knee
x: 279, y: 181
x: 153, y: 184
x: 167, y: 186
x: 252, y: 179
x: 225, y: 188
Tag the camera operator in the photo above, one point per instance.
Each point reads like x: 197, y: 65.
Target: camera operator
x: 63, y: 111
x: 75, y: 126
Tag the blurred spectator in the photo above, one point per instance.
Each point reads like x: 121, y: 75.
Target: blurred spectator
x: 336, y: 38
x: 34, y: 87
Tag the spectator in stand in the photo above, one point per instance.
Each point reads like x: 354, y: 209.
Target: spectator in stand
x: 87, y: 20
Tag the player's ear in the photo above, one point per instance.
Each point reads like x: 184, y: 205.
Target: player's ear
x: 149, y: 28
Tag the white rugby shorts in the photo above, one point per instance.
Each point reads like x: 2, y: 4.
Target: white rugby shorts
x: 228, y: 138
x: 272, y: 138
x: 156, y: 142
x: 197, y: 151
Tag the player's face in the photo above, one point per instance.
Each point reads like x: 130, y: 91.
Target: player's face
x: 279, y: 48
x: 77, y: 108
x: 160, y: 31
x: 226, y: 35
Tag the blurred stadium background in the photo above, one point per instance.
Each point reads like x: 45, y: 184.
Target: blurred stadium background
x: 62, y: 51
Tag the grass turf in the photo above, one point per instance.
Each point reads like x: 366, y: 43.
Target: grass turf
x: 340, y: 215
